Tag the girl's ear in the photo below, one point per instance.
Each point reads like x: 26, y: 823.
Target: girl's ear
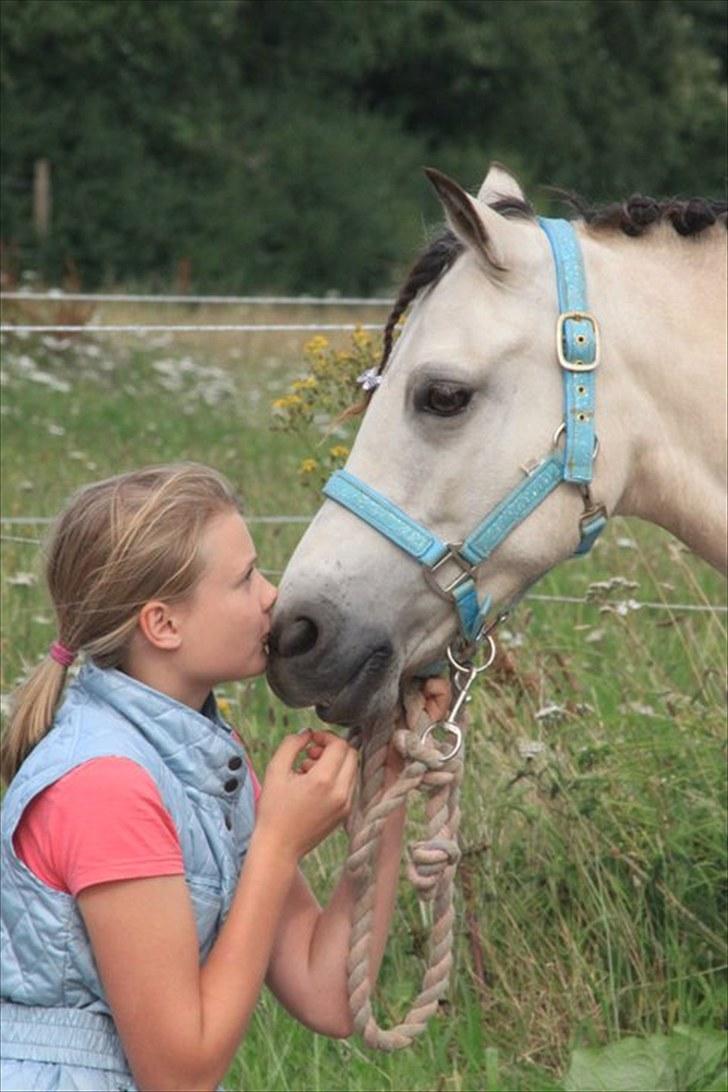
x: 158, y: 625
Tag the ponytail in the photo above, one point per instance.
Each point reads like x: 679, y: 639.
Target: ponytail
x: 34, y: 706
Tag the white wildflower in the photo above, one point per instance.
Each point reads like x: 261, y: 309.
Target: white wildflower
x: 48, y: 380
x: 551, y: 714
x: 21, y: 580
x: 529, y: 749
x: 637, y: 707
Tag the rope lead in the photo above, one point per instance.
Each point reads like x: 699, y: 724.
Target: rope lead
x: 431, y: 866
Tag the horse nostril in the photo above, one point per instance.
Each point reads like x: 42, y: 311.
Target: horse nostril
x: 295, y: 638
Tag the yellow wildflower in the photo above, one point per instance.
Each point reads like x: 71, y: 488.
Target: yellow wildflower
x: 224, y: 707
x: 306, y: 384
x: 361, y: 338
x: 338, y: 451
x: 308, y: 466
x: 321, y: 366
x: 317, y: 344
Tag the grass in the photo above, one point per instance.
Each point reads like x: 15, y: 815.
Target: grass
x: 591, y: 896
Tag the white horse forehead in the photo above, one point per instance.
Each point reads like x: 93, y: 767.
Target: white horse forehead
x: 467, y: 319
x: 455, y: 312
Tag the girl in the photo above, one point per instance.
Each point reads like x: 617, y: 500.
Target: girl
x: 146, y: 896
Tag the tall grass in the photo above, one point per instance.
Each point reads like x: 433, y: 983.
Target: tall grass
x: 591, y: 895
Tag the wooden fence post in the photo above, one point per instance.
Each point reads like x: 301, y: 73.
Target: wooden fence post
x: 42, y: 198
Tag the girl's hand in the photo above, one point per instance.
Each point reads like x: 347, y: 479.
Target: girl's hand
x: 299, y: 808
x: 437, y: 694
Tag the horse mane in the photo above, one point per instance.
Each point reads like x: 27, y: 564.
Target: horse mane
x: 688, y: 216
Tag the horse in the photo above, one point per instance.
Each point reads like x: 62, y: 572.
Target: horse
x: 463, y: 409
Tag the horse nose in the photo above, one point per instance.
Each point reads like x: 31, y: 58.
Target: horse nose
x: 294, y: 637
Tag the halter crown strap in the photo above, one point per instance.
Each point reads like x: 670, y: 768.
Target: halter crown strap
x: 577, y: 349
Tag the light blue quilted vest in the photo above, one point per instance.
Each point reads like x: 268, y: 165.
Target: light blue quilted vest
x: 56, y: 1029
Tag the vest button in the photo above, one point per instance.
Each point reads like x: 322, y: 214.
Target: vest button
x: 231, y: 785
x: 235, y: 763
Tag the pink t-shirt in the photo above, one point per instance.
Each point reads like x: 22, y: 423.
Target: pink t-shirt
x: 103, y: 821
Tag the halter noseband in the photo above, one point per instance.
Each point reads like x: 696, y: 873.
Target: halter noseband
x: 577, y: 351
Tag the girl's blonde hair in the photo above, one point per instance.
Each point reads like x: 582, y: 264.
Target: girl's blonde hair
x: 119, y: 543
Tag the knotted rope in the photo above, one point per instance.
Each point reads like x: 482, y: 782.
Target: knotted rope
x: 431, y: 866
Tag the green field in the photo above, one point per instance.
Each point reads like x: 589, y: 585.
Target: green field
x: 591, y: 897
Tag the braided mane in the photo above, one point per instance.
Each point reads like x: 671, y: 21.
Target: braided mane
x: 688, y: 216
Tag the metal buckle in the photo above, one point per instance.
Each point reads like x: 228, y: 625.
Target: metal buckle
x: 589, y: 513
x: 467, y: 572
x: 592, y: 508
x: 577, y: 365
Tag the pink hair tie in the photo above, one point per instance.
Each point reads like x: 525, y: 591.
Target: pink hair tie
x: 62, y: 655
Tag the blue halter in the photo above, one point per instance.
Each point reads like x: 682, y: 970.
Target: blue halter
x: 577, y: 351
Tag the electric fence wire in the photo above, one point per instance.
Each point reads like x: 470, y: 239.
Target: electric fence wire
x: 189, y: 328
x: 634, y: 604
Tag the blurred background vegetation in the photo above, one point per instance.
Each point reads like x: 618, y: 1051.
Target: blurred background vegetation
x: 276, y: 145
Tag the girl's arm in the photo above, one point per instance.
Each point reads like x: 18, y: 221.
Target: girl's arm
x: 308, y: 962
x: 180, y: 1023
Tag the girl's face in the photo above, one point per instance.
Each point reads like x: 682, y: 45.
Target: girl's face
x: 225, y: 623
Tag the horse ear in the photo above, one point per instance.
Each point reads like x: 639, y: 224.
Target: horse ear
x: 475, y: 224
x: 498, y: 183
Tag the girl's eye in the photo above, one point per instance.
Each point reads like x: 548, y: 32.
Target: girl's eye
x: 443, y: 398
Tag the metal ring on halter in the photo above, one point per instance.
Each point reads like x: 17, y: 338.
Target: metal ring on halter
x: 562, y: 429
x: 462, y: 668
x: 453, y: 729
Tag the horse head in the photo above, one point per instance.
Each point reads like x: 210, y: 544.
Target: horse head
x: 470, y: 404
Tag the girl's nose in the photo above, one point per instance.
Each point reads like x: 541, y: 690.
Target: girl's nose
x: 270, y: 594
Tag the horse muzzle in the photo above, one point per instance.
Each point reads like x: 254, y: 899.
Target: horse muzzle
x: 318, y: 656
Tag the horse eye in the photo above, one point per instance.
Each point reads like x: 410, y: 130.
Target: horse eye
x: 444, y: 399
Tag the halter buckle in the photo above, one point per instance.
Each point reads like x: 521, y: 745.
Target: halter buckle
x: 592, y: 508
x: 467, y: 571
x: 577, y: 365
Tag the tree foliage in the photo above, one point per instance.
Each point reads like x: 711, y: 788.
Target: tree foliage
x: 277, y: 144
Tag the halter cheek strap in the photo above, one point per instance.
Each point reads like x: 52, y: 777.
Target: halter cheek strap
x: 577, y: 351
